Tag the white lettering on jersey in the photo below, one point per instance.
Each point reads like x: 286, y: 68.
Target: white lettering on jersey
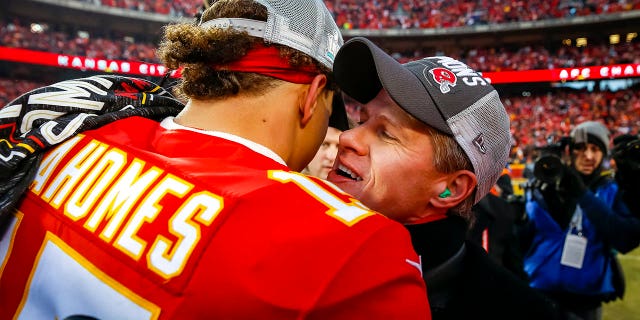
x: 94, y: 184
x: 167, y: 261
x: 117, y: 203
x: 348, y: 213
x: 50, y: 162
x: 73, y: 171
x: 115, y: 197
x: 128, y: 242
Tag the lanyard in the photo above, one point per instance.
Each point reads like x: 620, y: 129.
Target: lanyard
x: 576, y: 221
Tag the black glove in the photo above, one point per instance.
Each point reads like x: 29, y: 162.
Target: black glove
x: 627, y: 158
x: 571, y: 186
x: 562, y: 198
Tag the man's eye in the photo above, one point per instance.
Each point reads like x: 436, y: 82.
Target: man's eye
x: 386, y: 135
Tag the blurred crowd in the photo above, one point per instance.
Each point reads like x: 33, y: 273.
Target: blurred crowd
x: 20, y: 34
x: 179, y: 8
x: 534, y: 118
x: 539, y: 57
x: 11, y: 89
x: 406, y: 14
x: 40, y: 37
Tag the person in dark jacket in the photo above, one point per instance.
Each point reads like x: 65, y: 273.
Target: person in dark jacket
x: 494, y: 227
x: 577, y: 223
x: 432, y: 139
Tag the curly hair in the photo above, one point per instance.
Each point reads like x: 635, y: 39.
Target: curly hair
x: 197, y: 49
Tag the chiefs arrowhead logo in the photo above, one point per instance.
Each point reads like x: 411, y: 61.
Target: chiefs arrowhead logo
x: 445, y: 78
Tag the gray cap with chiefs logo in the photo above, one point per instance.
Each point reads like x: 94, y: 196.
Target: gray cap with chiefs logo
x: 441, y: 92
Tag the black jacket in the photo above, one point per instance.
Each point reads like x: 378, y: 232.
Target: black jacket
x: 495, y: 222
x: 464, y: 283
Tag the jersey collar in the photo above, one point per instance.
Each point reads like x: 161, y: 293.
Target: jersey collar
x: 169, y: 124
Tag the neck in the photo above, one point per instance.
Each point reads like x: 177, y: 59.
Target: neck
x: 261, y: 119
x: 592, y: 180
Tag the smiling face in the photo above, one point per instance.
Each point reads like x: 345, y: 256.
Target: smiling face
x: 387, y: 162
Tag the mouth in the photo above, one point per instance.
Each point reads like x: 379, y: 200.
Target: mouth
x: 345, y: 172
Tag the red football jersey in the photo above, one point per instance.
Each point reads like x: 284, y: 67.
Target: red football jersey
x: 140, y: 220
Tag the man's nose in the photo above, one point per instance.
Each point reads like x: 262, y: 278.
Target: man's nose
x: 589, y: 153
x: 353, y: 140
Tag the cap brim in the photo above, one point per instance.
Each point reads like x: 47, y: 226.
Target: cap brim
x: 338, y: 117
x: 362, y: 69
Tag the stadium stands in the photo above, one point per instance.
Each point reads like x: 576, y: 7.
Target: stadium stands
x: 534, y: 117
x: 12, y: 88
x: 18, y: 34
x: 385, y: 14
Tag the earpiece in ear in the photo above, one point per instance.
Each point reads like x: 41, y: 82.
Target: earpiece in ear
x: 445, y: 193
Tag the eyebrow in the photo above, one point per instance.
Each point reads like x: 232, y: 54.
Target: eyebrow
x: 390, y: 124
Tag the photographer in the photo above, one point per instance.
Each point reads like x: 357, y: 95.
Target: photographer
x: 577, y: 222
x: 626, y: 163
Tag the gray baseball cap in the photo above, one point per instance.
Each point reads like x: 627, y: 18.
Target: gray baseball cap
x: 304, y: 25
x: 442, y: 92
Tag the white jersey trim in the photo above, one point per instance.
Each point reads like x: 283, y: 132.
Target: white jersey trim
x: 169, y: 124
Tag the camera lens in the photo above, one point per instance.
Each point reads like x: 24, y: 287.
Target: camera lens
x: 548, y: 169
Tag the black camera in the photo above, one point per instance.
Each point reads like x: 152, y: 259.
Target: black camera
x: 549, y: 167
x: 627, y: 158
x: 627, y: 151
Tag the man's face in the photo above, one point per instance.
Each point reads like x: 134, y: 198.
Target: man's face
x: 588, y: 157
x: 387, y: 161
x: 322, y: 163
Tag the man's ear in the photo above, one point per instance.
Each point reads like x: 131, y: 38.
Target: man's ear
x: 460, y: 184
x: 309, y: 101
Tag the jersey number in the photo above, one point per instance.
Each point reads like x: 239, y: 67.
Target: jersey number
x: 347, y: 213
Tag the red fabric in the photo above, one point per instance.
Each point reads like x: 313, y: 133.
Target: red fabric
x: 267, y: 61
x: 252, y: 247
x: 485, y: 239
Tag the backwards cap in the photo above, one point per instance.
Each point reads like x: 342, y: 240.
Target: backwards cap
x: 304, y: 25
x: 441, y: 92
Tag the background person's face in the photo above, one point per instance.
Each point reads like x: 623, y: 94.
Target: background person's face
x: 386, y: 162
x: 322, y: 163
x: 587, y: 158
x: 313, y: 133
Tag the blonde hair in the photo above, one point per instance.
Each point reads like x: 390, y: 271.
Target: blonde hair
x: 197, y: 50
x: 448, y: 157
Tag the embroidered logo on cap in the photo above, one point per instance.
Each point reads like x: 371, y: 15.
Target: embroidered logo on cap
x: 479, y: 142
x: 445, y: 78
